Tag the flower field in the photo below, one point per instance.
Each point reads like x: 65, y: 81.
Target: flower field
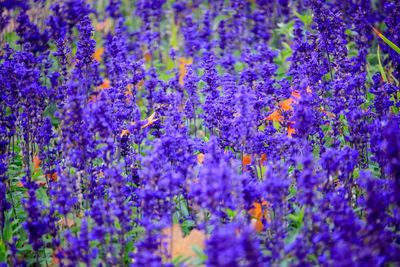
x: 199, y: 133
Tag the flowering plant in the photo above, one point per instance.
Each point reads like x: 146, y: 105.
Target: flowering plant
x: 199, y: 133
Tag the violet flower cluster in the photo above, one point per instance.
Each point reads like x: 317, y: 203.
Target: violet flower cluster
x: 199, y: 133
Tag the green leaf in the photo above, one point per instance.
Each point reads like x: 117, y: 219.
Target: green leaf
x: 175, y: 217
x: 305, y: 18
x: 174, y: 36
x: 231, y: 213
x: 220, y: 18
x: 187, y: 226
x: 292, y: 191
x: 179, y: 261
x: 276, y: 125
x: 381, y: 70
x: 356, y: 173
x: 297, y: 218
x: 261, y: 128
x: 3, y: 251
x: 42, y: 195
x: 239, y: 66
x: 7, y: 231
x: 386, y: 40
x: 285, y: 29
x: 281, y: 60
x: 184, y: 208
x: 199, y: 252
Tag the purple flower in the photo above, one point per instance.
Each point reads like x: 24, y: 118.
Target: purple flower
x: 36, y: 223
x: 210, y: 106
x: 79, y: 250
x: 231, y: 246
x: 190, y: 32
x: 29, y: 34
x: 193, y: 101
x: 218, y: 186
x: 86, y: 46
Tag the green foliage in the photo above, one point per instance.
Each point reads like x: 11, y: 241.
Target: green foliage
x: 306, y: 18
x: 387, y: 41
x: 282, y: 60
x: 382, y: 71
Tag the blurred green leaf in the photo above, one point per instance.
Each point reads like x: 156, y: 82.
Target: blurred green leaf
x: 179, y: 261
x: 173, y: 41
x: 386, y: 40
x: 41, y: 194
x: 381, y: 70
x: 202, y: 257
x: 3, y: 252
x: 239, y: 66
x: 7, y: 231
x: 218, y: 19
x: 297, y: 218
x: 292, y: 191
x: 231, y: 213
x: 187, y: 226
x: 285, y: 29
x: 306, y: 18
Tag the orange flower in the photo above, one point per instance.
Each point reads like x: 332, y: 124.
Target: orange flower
x: 39, y: 183
x: 92, y: 98
x: 128, y: 91
x: 200, y: 158
x: 246, y: 159
x: 328, y: 113
x: 36, y: 163
x: 140, y: 83
x: 104, y: 26
x: 97, y: 55
x: 66, y: 222
x: 183, y: 62
x: 290, y: 130
x: 124, y: 132
x: 147, y: 56
x: 150, y: 120
x: 55, y: 260
x: 275, y: 116
x: 258, y: 213
x: 52, y: 176
x: 105, y: 84
x: 263, y: 158
x: 296, y: 94
x: 286, y: 104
